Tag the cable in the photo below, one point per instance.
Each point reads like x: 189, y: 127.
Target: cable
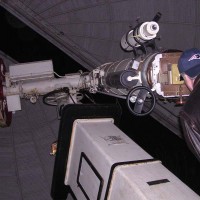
x: 71, y: 98
x: 113, y: 95
x: 58, y: 75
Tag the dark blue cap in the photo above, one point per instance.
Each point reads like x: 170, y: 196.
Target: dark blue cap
x: 189, y: 62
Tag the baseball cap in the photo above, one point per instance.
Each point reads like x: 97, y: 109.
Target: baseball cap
x: 189, y: 62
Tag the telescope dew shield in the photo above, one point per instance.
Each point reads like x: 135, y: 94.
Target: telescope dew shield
x: 148, y: 30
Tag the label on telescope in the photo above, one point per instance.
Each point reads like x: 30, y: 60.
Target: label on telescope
x: 114, y: 140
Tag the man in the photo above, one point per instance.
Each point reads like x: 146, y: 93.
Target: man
x: 189, y: 68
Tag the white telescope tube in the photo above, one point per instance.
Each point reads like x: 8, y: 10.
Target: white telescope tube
x: 148, y: 30
x: 145, y: 32
x: 43, y: 86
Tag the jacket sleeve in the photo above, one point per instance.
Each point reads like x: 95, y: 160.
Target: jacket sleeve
x: 191, y: 134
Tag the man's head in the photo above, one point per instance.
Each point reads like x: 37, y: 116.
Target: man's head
x: 189, y: 66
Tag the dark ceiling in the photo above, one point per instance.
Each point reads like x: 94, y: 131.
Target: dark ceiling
x: 23, y: 44
x: 90, y: 31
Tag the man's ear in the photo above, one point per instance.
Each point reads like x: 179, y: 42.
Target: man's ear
x: 188, y: 81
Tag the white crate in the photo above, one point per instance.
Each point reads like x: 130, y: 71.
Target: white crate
x: 104, y: 163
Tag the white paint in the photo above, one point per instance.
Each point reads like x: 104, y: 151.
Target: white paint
x: 13, y: 103
x: 31, y: 70
x: 104, y: 145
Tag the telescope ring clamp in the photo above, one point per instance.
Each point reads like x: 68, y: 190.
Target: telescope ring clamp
x: 141, y: 101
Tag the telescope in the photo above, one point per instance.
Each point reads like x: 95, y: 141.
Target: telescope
x: 140, y: 80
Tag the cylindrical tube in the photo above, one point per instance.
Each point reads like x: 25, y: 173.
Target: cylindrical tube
x: 120, y: 79
x: 43, y: 86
